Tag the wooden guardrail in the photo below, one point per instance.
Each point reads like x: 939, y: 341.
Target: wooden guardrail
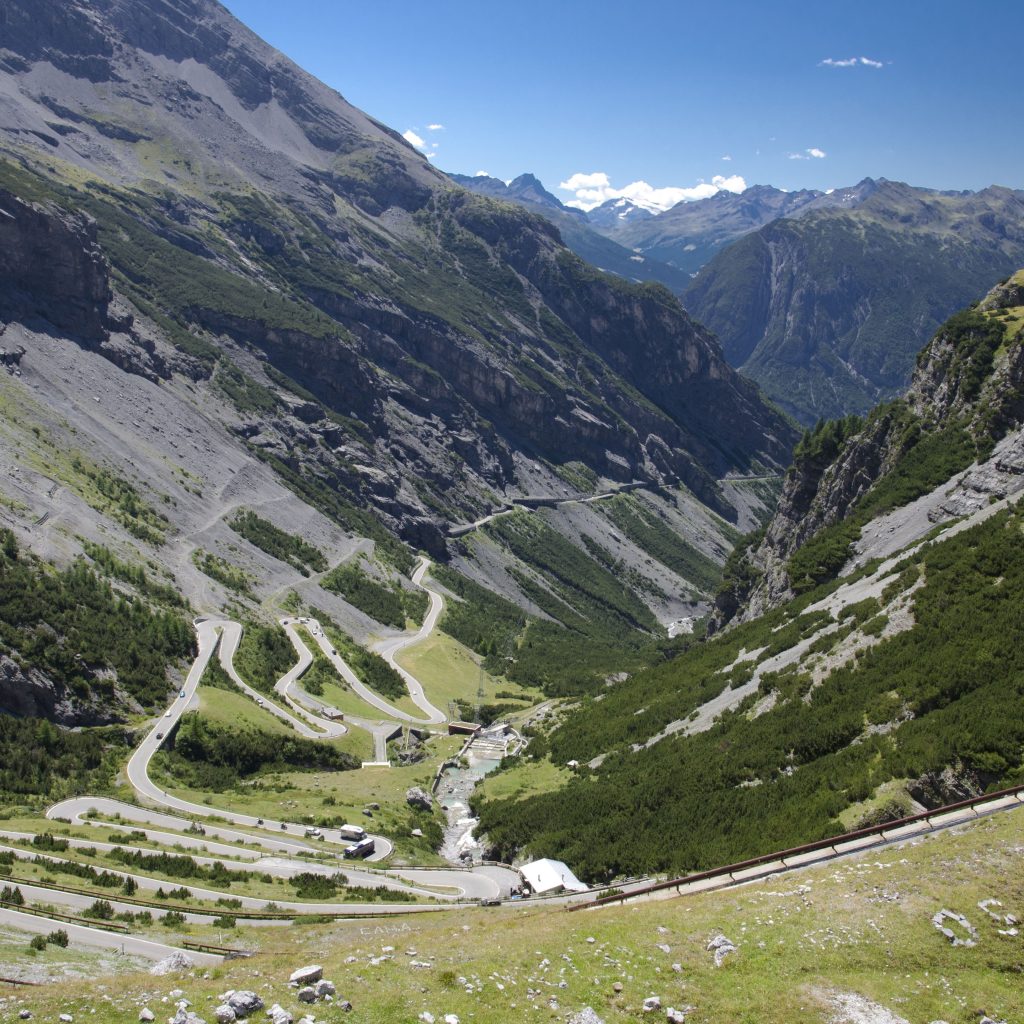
x: 795, y: 851
x: 228, y: 952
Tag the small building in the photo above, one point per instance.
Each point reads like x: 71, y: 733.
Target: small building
x: 546, y: 877
x: 463, y: 728
x: 496, y: 731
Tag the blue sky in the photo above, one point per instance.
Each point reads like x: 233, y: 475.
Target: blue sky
x: 674, y: 95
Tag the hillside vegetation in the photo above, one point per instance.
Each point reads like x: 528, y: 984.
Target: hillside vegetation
x: 780, y: 768
x: 84, y: 636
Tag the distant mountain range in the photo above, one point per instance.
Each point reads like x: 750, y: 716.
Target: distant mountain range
x: 823, y: 298
x: 827, y: 310
x: 577, y: 230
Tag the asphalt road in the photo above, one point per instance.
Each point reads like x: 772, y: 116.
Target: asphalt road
x: 138, y: 765
x: 275, y: 844
x: 231, y: 637
x: 81, y: 935
x: 387, y: 649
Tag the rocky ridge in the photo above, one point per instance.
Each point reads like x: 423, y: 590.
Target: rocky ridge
x: 964, y: 387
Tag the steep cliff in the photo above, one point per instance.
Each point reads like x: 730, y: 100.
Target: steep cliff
x: 964, y: 405
x: 51, y: 267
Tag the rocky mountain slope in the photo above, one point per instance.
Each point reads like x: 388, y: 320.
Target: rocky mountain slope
x: 576, y: 230
x: 828, y: 309
x: 227, y: 291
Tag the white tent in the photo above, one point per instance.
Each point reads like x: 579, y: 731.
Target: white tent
x: 548, y: 876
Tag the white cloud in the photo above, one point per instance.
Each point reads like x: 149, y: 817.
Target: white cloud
x: 482, y: 174
x: 435, y: 127
x: 591, y: 190
x: 596, y: 180
x: 726, y: 157
x: 849, y: 62
x: 809, y: 154
x: 413, y: 139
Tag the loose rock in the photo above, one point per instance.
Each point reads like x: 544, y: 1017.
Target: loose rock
x: 419, y: 799
x: 324, y: 988
x: 651, y: 1003
x: 224, y: 1014
x: 177, y: 961
x: 585, y: 1016
x: 307, y: 975
x: 307, y: 994
x: 954, y: 939
x: 674, y: 1016
x: 146, y: 1015
x: 721, y: 947
x: 244, y: 1002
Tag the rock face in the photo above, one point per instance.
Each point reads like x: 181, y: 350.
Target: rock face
x: 827, y: 311
x: 31, y: 694
x: 966, y: 384
x: 51, y: 267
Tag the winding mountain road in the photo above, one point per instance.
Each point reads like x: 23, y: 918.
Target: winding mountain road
x: 207, y: 633
x: 389, y: 648
x: 276, y: 851
x: 230, y: 638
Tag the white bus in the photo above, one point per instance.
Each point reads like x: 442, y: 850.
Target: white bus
x: 361, y: 849
x: 353, y: 832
